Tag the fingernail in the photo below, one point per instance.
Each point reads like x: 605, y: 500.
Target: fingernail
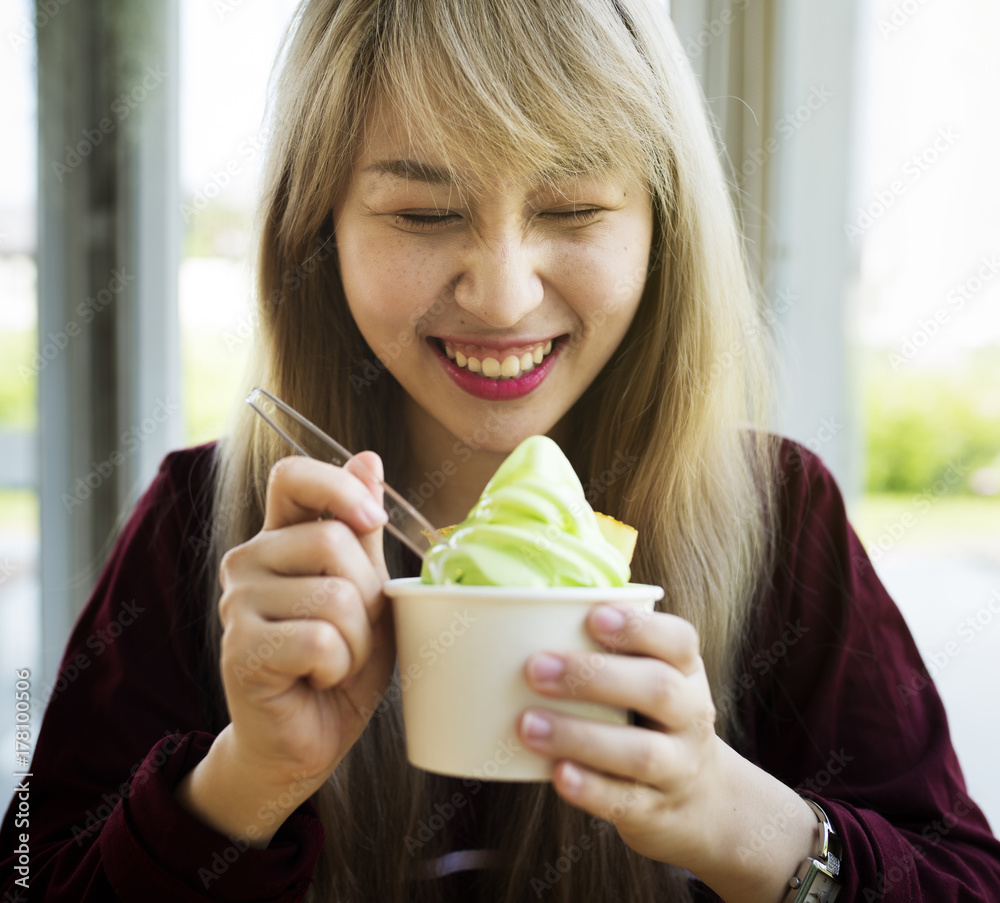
x: 536, y: 726
x: 546, y: 668
x: 372, y: 513
x: 571, y: 777
x: 608, y: 619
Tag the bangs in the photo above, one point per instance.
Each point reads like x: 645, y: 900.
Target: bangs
x: 507, y: 89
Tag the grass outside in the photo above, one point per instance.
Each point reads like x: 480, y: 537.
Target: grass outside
x: 19, y: 382
x: 922, y: 519
x: 19, y: 511
x: 214, y: 374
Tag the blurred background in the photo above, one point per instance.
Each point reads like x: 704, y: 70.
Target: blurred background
x: 862, y: 139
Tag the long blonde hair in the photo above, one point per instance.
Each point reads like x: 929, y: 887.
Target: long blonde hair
x: 667, y: 438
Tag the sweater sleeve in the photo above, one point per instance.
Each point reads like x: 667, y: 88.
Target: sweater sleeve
x: 840, y: 706
x: 126, y: 721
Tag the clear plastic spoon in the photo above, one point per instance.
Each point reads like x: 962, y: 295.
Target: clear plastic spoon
x: 407, y: 524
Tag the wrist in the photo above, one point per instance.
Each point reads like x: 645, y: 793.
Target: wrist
x: 761, y: 833
x: 238, y: 799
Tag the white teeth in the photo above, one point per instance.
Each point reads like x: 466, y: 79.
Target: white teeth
x: 511, y: 367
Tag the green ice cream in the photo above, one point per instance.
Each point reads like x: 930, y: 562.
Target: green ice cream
x: 532, y: 526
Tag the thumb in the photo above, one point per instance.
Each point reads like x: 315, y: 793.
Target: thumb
x: 367, y: 467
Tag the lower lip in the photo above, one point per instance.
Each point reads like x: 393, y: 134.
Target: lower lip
x: 497, y: 389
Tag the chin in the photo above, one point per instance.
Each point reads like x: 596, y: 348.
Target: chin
x: 500, y: 434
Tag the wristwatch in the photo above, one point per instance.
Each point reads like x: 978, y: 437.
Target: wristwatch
x: 816, y: 880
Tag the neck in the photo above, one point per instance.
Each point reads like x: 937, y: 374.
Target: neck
x: 445, y: 475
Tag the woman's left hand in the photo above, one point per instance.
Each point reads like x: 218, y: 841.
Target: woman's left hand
x: 672, y: 788
x: 656, y: 780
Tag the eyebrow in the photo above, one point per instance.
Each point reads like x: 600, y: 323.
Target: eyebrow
x: 413, y: 170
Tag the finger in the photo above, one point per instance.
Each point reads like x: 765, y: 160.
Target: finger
x: 621, y: 802
x: 658, y: 634
x: 646, y: 685
x: 318, y: 548
x: 625, y: 751
x: 366, y: 691
x: 257, y: 629
x: 311, y: 649
x: 301, y: 489
x: 367, y: 467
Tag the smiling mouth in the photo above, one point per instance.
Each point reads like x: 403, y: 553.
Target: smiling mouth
x: 493, y: 365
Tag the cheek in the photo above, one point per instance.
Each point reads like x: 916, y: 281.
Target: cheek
x: 608, y: 285
x: 386, y: 286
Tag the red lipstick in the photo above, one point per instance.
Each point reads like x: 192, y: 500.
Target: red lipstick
x: 497, y: 389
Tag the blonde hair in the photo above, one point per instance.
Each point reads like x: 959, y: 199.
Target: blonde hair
x: 668, y: 436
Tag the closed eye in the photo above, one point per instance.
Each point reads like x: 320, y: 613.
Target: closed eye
x: 425, y: 222
x: 576, y: 216
x: 429, y: 222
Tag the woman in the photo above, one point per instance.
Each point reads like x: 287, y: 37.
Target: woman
x: 483, y: 222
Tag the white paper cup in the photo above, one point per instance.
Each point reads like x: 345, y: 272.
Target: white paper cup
x: 462, y: 651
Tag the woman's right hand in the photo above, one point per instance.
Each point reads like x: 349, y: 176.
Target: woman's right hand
x: 307, y: 644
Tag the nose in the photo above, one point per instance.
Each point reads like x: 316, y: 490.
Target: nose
x: 499, y: 282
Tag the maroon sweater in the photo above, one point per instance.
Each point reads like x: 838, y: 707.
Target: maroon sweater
x: 832, y: 693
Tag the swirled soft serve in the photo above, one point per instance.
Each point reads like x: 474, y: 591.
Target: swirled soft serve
x: 532, y: 526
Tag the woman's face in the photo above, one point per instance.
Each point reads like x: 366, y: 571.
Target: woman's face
x: 493, y: 307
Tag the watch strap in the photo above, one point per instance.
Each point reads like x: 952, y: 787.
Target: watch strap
x: 815, y: 881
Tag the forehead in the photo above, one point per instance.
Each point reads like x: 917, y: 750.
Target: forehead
x: 394, y: 146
